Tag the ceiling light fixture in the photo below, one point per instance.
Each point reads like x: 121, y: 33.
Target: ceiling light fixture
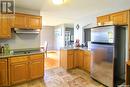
x: 58, y: 2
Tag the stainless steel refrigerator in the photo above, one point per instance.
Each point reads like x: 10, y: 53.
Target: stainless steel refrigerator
x: 108, y: 54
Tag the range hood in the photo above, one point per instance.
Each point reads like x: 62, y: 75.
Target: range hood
x: 26, y: 31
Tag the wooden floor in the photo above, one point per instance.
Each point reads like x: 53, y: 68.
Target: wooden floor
x: 52, y: 60
x: 58, y: 77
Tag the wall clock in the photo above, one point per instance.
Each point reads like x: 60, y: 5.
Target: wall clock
x: 77, y: 26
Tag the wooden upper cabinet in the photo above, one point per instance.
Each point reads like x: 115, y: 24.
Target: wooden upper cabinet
x: 5, y: 29
x: 20, y: 21
x: 3, y: 73
x: 119, y: 18
x: 35, y: 22
x: 101, y: 20
x: 27, y: 21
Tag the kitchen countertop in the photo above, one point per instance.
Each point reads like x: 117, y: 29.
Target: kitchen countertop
x: 23, y: 52
x: 76, y: 48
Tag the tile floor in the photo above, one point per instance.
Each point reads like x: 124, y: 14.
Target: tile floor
x: 59, y: 77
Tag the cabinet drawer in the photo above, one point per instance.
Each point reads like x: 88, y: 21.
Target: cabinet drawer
x: 19, y: 59
x: 36, y: 56
x: 70, y: 52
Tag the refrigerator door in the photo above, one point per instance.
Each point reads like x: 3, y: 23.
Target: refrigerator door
x: 103, y: 34
x: 102, y: 63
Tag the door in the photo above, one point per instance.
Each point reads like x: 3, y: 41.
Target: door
x: 36, y: 68
x: 87, y: 61
x: 5, y: 29
x: 103, y: 19
x: 120, y: 18
x: 3, y: 72
x: 81, y: 59
x: 35, y: 22
x: 102, y: 63
x: 19, y: 72
x: 76, y: 59
x: 70, y: 61
x: 20, y: 21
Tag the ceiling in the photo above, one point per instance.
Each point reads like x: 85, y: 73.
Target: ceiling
x: 71, y: 10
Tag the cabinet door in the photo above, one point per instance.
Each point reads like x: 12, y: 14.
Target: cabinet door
x: 20, y: 21
x: 63, y: 59
x: 76, y: 59
x: 19, y: 72
x: 81, y: 59
x: 70, y: 61
x: 36, y: 66
x: 5, y: 29
x: 3, y: 73
x: 103, y: 19
x: 87, y: 61
x: 36, y: 69
x: 120, y: 18
x: 35, y: 22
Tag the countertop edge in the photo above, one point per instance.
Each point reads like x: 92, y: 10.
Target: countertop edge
x: 8, y: 56
x: 75, y: 48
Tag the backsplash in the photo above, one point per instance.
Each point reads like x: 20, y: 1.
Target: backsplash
x: 21, y: 41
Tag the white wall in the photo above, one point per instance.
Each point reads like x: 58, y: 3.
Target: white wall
x: 27, y: 11
x: 21, y: 41
x: 59, y: 37
x: 47, y: 34
x: 87, y: 22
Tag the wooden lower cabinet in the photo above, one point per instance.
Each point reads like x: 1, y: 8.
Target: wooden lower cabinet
x: 18, y: 69
x: 81, y: 58
x: 36, y: 67
x: 19, y: 72
x: 3, y: 73
x: 75, y: 59
x: 67, y: 59
x: 127, y: 73
x: 63, y: 58
x: 25, y: 68
x: 87, y: 60
x: 70, y: 61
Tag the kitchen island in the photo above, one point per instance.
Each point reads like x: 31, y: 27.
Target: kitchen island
x: 20, y: 67
x: 128, y: 73
x: 75, y: 57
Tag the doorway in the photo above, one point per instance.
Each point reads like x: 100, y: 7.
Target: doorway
x: 52, y: 60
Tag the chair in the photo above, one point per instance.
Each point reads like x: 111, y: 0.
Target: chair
x: 45, y: 48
